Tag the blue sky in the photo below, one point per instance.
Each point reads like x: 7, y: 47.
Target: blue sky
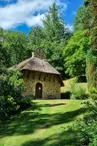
x: 22, y: 15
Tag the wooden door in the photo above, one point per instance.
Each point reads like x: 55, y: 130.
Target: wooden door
x: 38, y: 91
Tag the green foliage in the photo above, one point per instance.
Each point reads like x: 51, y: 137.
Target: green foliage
x: 75, y: 54
x: 77, y: 90
x: 53, y: 24
x: 86, y: 18
x: 8, y: 106
x: 92, y: 54
x: 87, y: 127
x: 55, y: 55
x: 11, y: 84
x: 11, y: 93
x: 86, y: 133
x: 12, y: 43
x: 52, y: 38
x: 91, y: 69
x: 79, y: 19
x: 25, y: 102
x: 87, y: 2
x: 16, y: 42
x: 83, y: 19
x: 93, y: 93
x: 35, y: 38
x: 4, y: 53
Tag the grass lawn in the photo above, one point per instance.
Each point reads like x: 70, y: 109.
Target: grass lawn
x: 65, y: 88
x: 45, y: 124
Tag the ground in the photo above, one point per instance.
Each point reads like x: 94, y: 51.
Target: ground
x: 44, y: 124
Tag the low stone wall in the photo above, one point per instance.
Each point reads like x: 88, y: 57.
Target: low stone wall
x: 50, y: 84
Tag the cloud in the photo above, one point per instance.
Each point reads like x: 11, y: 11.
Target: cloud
x: 70, y: 27
x: 29, y: 12
x: 34, y: 20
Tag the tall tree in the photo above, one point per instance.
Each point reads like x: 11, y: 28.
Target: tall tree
x: 54, y: 27
x: 52, y: 38
x: 35, y: 38
x: 4, y: 52
x: 16, y: 42
x: 57, y: 36
x: 91, y: 6
x: 79, y: 19
x: 75, y: 53
x: 76, y: 50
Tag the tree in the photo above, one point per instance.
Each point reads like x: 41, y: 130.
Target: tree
x: 75, y: 54
x: 57, y: 36
x: 12, y: 90
x: 35, y: 38
x: 52, y: 38
x: 91, y: 6
x: 54, y: 54
x: 79, y: 19
x: 4, y: 52
x: 16, y: 42
x: 54, y: 27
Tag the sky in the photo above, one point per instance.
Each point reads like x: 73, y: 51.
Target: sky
x: 23, y: 15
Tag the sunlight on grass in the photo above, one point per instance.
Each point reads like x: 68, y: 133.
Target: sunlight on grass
x: 65, y: 88
x: 44, y: 125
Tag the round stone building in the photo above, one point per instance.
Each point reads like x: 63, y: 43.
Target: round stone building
x: 41, y: 79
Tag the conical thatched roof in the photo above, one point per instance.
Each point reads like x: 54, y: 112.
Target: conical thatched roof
x: 39, y: 65
x: 36, y: 64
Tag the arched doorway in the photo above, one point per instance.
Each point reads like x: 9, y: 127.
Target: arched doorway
x: 38, y: 91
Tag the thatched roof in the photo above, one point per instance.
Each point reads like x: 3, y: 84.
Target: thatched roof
x: 36, y: 64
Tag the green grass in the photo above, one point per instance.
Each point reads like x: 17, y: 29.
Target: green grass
x: 65, y: 88
x: 45, y: 124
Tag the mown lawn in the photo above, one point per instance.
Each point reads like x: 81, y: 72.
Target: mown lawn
x: 67, y: 83
x: 45, y: 124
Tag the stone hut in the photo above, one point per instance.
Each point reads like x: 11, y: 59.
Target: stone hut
x: 41, y: 79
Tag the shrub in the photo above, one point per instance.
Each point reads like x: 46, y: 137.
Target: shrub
x: 93, y: 93
x: 11, y: 83
x: 86, y: 128
x: 8, y: 106
x: 77, y: 90
x: 11, y: 93
x: 25, y: 102
x: 86, y: 133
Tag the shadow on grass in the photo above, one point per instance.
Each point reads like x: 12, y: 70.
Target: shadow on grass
x: 65, y: 138
x: 29, y: 121
x: 52, y: 105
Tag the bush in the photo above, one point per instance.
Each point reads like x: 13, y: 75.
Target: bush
x: 11, y: 93
x: 86, y: 128
x: 8, y: 106
x: 11, y: 83
x: 25, y: 102
x: 93, y: 93
x: 86, y: 133
x: 77, y: 90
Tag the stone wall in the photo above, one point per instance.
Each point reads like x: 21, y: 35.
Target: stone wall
x: 50, y: 84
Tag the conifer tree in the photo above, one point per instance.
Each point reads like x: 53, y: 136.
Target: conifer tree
x: 91, y: 18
